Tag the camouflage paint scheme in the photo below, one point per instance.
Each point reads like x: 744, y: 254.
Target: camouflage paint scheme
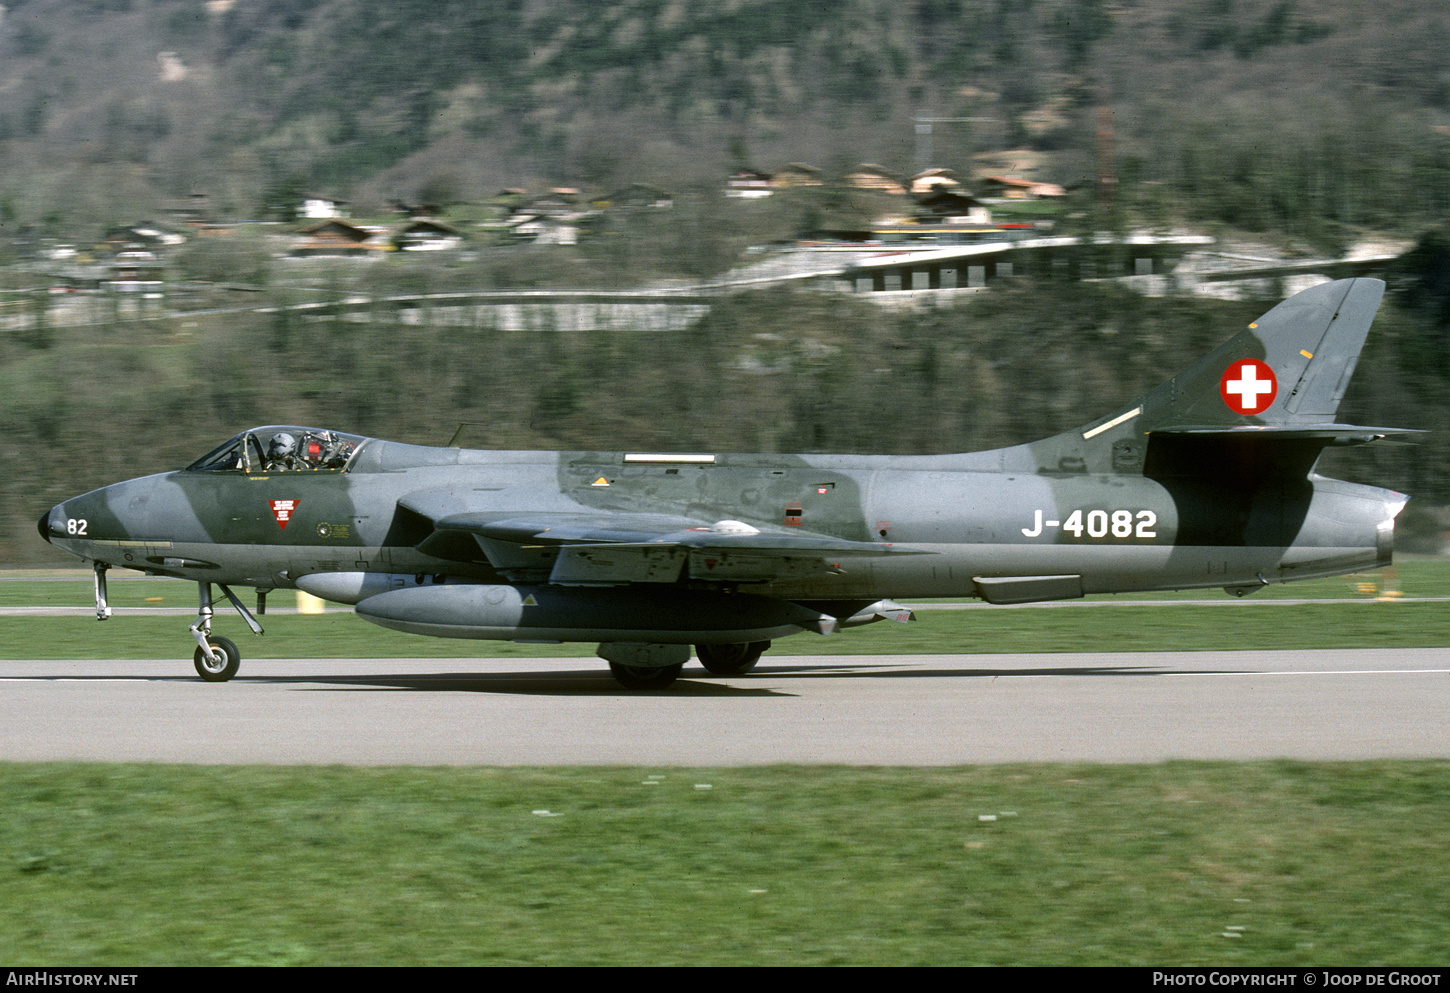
x: 1207, y: 481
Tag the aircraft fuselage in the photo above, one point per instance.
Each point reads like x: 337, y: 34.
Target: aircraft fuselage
x: 1119, y: 533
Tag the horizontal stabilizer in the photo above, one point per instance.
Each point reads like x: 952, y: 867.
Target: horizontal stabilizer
x: 1330, y: 434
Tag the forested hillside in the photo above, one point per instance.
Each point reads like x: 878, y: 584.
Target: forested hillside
x: 1276, y: 115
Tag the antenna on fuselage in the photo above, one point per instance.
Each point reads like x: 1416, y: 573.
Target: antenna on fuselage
x: 462, y: 426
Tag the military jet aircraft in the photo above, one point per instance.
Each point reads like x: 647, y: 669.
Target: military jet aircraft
x: 1206, y: 481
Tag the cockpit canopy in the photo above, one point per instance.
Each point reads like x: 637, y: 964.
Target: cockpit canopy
x: 282, y: 448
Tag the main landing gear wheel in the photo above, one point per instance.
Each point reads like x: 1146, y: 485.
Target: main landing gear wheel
x: 730, y: 660
x: 636, y: 677
x: 228, y: 661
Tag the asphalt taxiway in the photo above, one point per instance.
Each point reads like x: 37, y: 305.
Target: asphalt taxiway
x: 873, y: 710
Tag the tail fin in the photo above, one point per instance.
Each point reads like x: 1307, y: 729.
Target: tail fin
x: 1290, y: 367
x: 1278, y: 381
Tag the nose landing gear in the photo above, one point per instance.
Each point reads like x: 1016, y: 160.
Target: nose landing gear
x: 217, y: 658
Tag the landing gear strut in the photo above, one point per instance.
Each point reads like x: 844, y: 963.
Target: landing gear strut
x: 103, y: 605
x: 216, y: 658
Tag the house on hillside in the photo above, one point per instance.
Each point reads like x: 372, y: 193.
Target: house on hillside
x: 935, y: 181
x: 501, y: 205
x: 142, y: 237
x: 951, y: 207
x: 636, y: 196
x: 135, y: 272
x: 797, y: 174
x: 557, y: 202
x: 869, y: 176
x: 748, y: 184
x: 552, y: 218
x: 426, y: 235
x: 319, y: 206
x: 338, y: 237
x: 542, y: 229
x: 1015, y: 188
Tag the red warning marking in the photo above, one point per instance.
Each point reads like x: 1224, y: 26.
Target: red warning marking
x: 1248, y: 386
x: 283, y: 510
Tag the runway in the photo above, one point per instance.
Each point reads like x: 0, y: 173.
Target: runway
x: 922, y: 710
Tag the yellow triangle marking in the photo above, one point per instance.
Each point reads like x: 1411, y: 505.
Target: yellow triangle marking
x: 529, y: 601
x: 601, y: 481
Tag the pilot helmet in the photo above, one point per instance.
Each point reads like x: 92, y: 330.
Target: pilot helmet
x: 281, y: 446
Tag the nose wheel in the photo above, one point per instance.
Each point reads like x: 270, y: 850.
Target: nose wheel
x: 221, y: 664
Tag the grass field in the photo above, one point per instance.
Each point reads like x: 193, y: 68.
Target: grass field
x: 1273, y: 863
x: 1181, y: 864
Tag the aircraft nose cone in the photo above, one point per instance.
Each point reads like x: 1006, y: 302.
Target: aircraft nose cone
x: 52, y: 524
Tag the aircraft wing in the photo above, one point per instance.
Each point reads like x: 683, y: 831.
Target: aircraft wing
x: 583, y: 549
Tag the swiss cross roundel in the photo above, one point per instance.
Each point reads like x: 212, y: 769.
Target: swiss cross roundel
x: 1248, y: 386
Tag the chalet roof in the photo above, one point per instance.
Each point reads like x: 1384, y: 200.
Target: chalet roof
x: 798, y: 174
x: 428, y: 226
x: 934, y: 179
x: 1016, y: 181
x: 144, y: 233
x: 870, y: 176
x: 337, y: 228
x: 947, y: 198
x: 1030, y: 187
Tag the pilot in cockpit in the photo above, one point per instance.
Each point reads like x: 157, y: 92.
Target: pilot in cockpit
x: 281, y: 452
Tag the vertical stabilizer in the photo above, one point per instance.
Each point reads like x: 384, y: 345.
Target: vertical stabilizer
x: 1291, y: 367
x: 1283, y: 375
